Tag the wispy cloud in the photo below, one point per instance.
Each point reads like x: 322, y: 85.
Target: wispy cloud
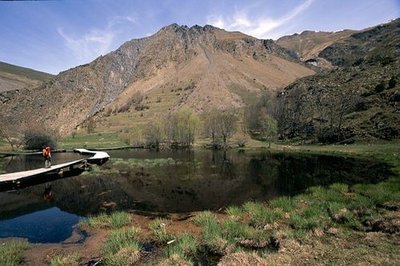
x: 261, y: 27
x: 96, y: 41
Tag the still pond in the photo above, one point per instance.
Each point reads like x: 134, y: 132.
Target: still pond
x: 167, y: 182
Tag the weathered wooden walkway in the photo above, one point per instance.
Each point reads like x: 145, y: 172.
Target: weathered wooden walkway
x: 12, y: 180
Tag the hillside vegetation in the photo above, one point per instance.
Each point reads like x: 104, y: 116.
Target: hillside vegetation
x: 358, y: 100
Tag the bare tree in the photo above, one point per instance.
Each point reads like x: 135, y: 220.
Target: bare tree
x: 227, y: 125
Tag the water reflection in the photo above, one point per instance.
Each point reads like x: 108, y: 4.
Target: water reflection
x: 184, y: 181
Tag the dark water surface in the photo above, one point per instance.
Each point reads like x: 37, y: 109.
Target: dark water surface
x: 167, y: 181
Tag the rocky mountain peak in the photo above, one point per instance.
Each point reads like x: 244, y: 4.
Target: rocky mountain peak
x: 214, y: 68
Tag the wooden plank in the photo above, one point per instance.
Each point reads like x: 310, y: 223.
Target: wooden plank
x: 18, y: 175
x: 98, y: 157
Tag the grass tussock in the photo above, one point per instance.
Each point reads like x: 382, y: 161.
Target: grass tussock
x: 262, y: 215
x: 159, y: 230
x: 185, y: 246
x: 122, y: 247
x: 114, y: 220
x: 65, y: 260
x: 11, y: 252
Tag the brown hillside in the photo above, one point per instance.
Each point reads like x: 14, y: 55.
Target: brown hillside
x: 309, y: 44
x: 200, y: 67
x: 14, y: 77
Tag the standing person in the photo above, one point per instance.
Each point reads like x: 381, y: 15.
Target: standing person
x: 46, y: 152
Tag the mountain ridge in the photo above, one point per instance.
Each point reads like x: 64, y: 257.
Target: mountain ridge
x: 217, y: 65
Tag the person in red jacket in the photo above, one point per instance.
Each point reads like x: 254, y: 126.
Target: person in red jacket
x: 46, y: 152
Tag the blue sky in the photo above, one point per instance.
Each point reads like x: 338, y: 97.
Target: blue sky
x: 53, y: 36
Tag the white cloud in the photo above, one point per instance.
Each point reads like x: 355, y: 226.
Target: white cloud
x: 261, y: 27
x: 95, y: 42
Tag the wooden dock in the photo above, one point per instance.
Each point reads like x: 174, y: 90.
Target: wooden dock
x: 26, y: 178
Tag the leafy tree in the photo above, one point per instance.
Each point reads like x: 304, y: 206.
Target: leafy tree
x: 182, y: 127
x: 154, y: 133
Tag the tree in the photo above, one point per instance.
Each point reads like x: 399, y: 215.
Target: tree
x: 268, y: 126
x: 154, y: 133
x: 12, y: 132
x: 182, y: 127
x: 227, y: 125
x: 211, y: 121
x: 90, y: 125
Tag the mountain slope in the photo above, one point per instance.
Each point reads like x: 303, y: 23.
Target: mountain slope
x: 309, y: 44
x: 15, y: 77
x: 358, y: 100
x: 200, y: 67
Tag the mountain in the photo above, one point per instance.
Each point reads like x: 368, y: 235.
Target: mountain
x: 199, y: 67
x: 309, y: 44
x: 357, y: 100
x: 14, y: 77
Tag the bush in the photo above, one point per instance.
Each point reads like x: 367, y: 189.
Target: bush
x: 35, y: 140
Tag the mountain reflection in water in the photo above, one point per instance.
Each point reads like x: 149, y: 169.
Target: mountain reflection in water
x: 184, y: 181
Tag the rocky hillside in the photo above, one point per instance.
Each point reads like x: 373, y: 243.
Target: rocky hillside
x: 199, y: 67
x: 309, y: 44
x: 359, y: 99
x: 15, y: 78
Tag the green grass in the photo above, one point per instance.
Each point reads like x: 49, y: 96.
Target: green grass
x: 113, y: 220
x: 122, y: 247
x: 286, y: 204
x: 11, y: 252
x: 159, y: 230
x: 185, y: 246
x: 95, y: 140
x: 65, y: 260
x: 261, y: 214
x: 235, y: 212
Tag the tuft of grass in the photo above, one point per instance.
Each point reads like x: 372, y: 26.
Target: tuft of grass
x: 174, y: 260
x: 309, y: 218
x: 65, y: 260
x: 286, y: 204
x: 11, y: 252
x: 261, y: 214
x: 114, y: 220
x: 204, y: 218
x: 380, y: 193
x: 232, y: 230
x: 185, y: 246
x: 159, y: 230
x: 234, y: 212
x: 122, y: 247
